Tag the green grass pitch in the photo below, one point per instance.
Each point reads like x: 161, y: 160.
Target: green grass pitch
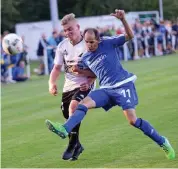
x: 108, y: 139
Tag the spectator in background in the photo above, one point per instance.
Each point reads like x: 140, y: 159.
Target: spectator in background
x: 4, y: 66
x: 119, y: 31
x: 161, y: 34
x: 42, y: 45
x: 52, y: 41
x: 175, y: 32
x: 168, y: 26
x: 106, y: 31
x: 60, y: 37
x: 23, y: 55
x: 112, y: 31
x: 18, y: 73
x: 137, y: 28
x: 152, y: 30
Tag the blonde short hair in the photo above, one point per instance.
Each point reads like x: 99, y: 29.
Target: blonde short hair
x: 67, y: 18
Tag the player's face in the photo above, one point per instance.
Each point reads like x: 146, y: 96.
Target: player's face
x: 91, y: 42
x: 71, y: 30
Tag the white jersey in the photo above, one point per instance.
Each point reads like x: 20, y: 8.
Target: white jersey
x: 69, y: 55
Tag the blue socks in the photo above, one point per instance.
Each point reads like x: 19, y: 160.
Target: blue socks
x: 149, y: 131
x: 76, y: 118
x: 141, y: 124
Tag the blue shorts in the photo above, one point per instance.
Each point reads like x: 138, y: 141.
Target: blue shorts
x: 124, y: 96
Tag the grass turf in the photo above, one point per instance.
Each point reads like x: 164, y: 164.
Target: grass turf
x: 108, y: 139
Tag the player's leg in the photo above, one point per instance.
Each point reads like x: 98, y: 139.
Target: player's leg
x: 76, y: 98
x: 70, y: 101
x: 128, y: 102
x: 68, y: 153
x: 97, y: 98
x: 74, y: 134
x: 150, y: 131
x: 65, y: 104
x: 66, y: 100
x: 143, y: 125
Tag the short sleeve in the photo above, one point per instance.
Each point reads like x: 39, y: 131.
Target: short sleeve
x: 59, y: 59
x: 118, y: 40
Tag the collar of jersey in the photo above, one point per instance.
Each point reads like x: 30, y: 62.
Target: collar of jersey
x: 78, y: 42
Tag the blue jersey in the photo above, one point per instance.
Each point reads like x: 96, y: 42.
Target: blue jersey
x: 104, y: 62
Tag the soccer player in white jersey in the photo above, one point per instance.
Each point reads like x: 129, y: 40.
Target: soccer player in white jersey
x: 76, y: 87
x: 116, y: 85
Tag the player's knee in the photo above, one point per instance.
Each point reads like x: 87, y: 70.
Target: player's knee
x: 82, y: 108
x: 84, y: 103
x: 88, y: 102
x: 131, y: 116
x: 72, y: 107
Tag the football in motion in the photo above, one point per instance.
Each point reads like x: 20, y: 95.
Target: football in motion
x: 12, y: 44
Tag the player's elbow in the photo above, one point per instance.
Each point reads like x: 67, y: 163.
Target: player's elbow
x: 57, y: 68
x: 129, y: 37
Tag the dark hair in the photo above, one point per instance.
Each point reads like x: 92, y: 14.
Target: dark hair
x: 92, y: 30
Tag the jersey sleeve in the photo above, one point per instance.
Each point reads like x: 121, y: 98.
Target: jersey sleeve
x: 118, y: 40
x: 82, y: 62
x: 59, y: 58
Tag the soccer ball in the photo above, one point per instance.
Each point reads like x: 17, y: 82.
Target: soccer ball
x: 12, y: 44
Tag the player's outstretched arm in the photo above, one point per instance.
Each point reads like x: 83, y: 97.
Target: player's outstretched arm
x: 120, y: 14
x: 53, y: 78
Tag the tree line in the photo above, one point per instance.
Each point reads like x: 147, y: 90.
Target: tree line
x: 19, y: 11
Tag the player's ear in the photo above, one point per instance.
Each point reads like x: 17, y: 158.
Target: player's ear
x: 78, y: 26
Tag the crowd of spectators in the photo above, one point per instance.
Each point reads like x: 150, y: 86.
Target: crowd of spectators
x: 143, y: 45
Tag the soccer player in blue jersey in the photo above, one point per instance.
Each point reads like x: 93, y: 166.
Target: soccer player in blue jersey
x: 116, y: 85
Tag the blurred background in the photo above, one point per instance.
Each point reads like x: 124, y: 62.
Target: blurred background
x: 154, y: 22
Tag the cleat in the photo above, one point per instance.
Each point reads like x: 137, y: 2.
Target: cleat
x: 78, y: 150
x: 68, y: 153
x: 167, y: 148
x: 57, y: 128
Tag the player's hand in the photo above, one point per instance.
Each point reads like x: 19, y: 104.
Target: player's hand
x: 75, y: 68
x: 84, y: 86
x: 53, y: 89
x: 120, y: 14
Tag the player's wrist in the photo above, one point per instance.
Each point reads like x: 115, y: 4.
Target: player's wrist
x: 123, y: 19
x: 51, y: 83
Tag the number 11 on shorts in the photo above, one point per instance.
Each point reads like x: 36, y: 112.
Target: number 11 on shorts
x: 126, y: 93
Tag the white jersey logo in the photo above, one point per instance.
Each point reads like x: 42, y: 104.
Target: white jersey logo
x: 128, y: 101
x: 82, y: 96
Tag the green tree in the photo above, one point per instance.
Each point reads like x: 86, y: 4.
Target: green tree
x: 16, y: 11
x: 9, y: 14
